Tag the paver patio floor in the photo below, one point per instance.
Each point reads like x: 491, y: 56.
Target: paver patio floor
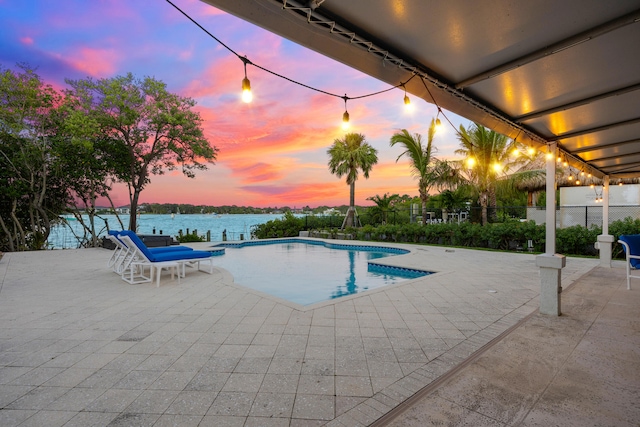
x: 79, y: 346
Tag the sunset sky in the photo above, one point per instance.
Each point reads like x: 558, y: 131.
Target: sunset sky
x: 273, y: 150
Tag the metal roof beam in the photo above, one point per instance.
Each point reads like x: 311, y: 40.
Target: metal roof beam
x: 567, y: 43
x: 536, y: 114
x: 597, y: 129
x: 604, y: 147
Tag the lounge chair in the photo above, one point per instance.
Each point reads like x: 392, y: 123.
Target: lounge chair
x: 121, y: 252
x: 631, y: 245
x: 133, y: 269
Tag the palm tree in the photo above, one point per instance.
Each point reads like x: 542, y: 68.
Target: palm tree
x: 384, y: 205
x: 346, y: 157
x: 430, y: 171
x: 489, y: 158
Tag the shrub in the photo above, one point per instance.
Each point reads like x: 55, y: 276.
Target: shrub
x: 189, y: 238
x: 288, y: 226
x: 619, y: 228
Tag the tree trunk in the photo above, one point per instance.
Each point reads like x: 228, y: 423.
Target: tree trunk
x: 493, y: 203
x: 424, y: 197
x: 133, y: 220
x: 483, y: 204
x: 349, y: 221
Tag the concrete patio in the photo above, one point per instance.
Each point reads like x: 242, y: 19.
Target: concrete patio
x: 464, y: 346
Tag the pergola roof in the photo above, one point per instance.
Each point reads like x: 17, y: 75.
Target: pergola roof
x: 539, y: 71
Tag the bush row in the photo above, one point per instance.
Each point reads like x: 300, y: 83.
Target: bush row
x: 509, y: 235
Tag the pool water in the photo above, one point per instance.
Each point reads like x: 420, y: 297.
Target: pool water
x: 310, y: 272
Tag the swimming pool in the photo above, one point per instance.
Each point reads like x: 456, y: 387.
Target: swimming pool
x: 306, y: 271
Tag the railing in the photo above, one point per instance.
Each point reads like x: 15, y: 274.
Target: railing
x: 566, y: 216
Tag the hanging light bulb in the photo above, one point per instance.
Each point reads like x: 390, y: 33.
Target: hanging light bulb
x: 577, y: 181
x: 438, y: 122
x: 549, y: 155
x: 620, y: 183
x: 246, y: 84
x: 471, y: 162
x: 559, y: 159
x: 497, y: 167
x: 407, y: 101
x: 531, y: 150
x: 345, y: 115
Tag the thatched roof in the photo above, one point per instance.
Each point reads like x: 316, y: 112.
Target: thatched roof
x: 565, y: 177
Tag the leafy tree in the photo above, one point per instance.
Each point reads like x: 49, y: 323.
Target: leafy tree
x: 346, y: 157
x: 158, y: 129
x: 91, y: 162
x: 430, y: 171
x: 32, y: 192
x: 489, y: 157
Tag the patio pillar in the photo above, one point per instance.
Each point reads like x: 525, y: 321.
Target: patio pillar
x: 605, y: 240
x: 550, y: 263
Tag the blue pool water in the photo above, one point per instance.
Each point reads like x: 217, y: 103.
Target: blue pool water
x: 307, y: 273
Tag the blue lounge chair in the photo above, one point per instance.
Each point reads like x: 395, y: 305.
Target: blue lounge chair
x: 631, y: 245
x: 133, y: 270
x: 121, y: 252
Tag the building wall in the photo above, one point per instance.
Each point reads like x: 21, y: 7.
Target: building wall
x: 578, y: 206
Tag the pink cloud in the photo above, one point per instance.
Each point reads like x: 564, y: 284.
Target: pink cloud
x: 26, y: 40
x: 95, y: 62
x: 258, y: 172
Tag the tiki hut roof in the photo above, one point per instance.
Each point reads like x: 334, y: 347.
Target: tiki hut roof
x: 565, y: 177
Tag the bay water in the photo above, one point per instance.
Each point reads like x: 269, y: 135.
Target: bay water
x: 237, y: 226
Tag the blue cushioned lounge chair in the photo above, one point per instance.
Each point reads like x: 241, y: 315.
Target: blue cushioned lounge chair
x: 133, y: 270
x: 631, y: 245
x: 121, y: 253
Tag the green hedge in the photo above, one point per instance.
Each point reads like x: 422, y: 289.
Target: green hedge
x: 509, y: 235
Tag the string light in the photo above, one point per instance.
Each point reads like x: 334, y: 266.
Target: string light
x: 471, y: 162
x: 345, y: 116
x: 247, y: 95
x: 407, y: 101
x: 438, y: 122
x: 246, y: 84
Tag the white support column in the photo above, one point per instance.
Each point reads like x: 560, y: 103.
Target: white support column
x: 550, y: 263
x: 605, y: 240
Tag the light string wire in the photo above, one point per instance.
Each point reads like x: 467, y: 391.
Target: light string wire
x: 346, y: 98
x: 246, y: 61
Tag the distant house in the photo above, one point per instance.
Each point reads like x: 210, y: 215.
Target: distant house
x: 331, y: 211
x: 582, y: 205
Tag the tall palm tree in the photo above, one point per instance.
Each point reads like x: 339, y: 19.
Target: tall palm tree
x: 430, y: 171
x: 346, y: 157
x: 489, y: 158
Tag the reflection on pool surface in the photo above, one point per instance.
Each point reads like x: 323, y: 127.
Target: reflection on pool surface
x: 307, y: 272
